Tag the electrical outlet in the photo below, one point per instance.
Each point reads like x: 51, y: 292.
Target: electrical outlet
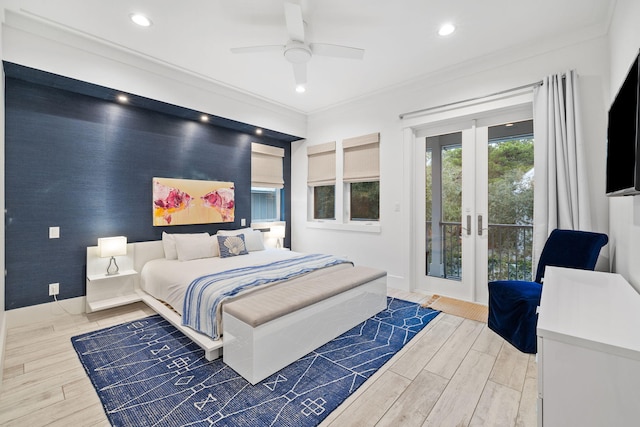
x: 54, y: 289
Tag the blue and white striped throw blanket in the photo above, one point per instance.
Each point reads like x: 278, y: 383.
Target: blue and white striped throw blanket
x: 202, y: 308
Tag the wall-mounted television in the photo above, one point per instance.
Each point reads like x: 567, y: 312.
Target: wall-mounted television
x: 623, y: 137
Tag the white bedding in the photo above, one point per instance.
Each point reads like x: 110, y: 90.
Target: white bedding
x: 167, y: 280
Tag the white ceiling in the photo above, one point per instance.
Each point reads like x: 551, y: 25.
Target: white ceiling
x: 400, y: 37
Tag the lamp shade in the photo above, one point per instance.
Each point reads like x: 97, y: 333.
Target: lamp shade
x: 112, y: 246
x: 277, y: 231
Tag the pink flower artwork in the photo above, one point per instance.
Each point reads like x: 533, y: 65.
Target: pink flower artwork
x: 189, y: 201
x: 221, y: 200
x: 168, y: 200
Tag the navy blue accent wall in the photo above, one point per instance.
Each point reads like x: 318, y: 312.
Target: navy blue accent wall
x: 85, y: 164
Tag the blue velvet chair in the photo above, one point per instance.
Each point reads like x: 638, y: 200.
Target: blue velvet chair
x: 513, y: 303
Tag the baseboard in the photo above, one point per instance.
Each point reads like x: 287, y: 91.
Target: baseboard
x: 43, y: 312
x: 397, y: 282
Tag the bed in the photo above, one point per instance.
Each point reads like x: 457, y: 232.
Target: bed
x: 164, y: 286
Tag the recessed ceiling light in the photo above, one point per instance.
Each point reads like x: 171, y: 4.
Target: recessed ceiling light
x: 446, y: 29
x: 259, y: 131
x: 508, y: 125
x: 204, y: 118
x: 301, y: 89
x: 140, y: 19
x: 122, y: 98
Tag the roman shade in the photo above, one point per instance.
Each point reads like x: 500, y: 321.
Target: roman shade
x: 322, y: 164
x: 266, y: 166
x: 362, y: 158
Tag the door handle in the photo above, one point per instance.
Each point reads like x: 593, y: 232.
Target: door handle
x: 468, y: 227
x: 480, y: 229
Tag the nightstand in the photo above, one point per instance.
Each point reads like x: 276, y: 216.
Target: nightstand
x: 105, y: 291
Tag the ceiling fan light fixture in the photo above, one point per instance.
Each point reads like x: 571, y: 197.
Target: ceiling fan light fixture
x: 140, y: 19
x: 301, y: 88
x: 297, y: 53
x: 446, y: 29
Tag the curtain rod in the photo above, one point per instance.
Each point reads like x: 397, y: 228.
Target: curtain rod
x: 502, y: 92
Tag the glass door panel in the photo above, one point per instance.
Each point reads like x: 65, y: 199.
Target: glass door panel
x: 510, y: 195
x: 478, y: 208
x: 443, y: 201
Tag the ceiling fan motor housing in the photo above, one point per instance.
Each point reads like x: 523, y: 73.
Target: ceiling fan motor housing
x: 297, y: 52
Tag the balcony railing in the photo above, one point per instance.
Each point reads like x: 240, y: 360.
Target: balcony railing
x: 509, y: 251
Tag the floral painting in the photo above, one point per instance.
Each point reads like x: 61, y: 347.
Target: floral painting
x: 191, y: 201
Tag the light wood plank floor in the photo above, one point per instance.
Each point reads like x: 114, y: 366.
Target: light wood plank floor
x: 456, y: 372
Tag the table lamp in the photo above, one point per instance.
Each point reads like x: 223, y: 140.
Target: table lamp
x: 278, y: 231
x: 112, y: 247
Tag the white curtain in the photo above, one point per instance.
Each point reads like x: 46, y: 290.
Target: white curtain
x: 561, y: 198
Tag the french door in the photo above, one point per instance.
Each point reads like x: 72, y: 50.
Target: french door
x: 474, y: 201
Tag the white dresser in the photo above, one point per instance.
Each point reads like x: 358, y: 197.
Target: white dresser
x: 588, y: 350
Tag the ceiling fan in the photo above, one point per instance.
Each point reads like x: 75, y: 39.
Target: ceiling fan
x: 297, y: 51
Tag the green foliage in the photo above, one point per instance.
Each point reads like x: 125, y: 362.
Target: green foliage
x: 510, y: 189
x: 324, y: 200
x: 452, y: 184
x: 510, y: 155
x: 365, y: 201
x: 510, y: 202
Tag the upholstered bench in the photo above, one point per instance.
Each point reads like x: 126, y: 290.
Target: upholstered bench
x: 266, y: 331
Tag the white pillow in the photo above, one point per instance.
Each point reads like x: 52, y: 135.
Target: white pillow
x: 252, y: 238
x: 234, y: 232
x: 215, y: 249
x: 169, y: 243
x: 193, y: 247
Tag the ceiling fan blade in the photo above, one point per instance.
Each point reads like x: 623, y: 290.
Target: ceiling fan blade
x: 300, y: 73
x: 258, y: 49
x: 337, y: 51
x: 295, y: 23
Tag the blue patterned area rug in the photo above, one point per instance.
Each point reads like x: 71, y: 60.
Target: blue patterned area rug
x: 147, y: 373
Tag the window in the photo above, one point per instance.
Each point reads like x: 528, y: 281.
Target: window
x: 324, y: 202
x: 361, y: 177
x: 364, y: 201
x: 321, y: 180
x: 267, y: 182
x: 265, y: 204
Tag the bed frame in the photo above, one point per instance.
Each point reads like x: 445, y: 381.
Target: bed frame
x: 145, y: 252
x: 326, y: 314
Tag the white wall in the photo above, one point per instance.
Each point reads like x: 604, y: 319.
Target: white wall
x: 624, y: 42
x: 389, y: 249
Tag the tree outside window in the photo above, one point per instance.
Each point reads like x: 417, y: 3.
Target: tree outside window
x: 324, y: 202
x: 365, y: 201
